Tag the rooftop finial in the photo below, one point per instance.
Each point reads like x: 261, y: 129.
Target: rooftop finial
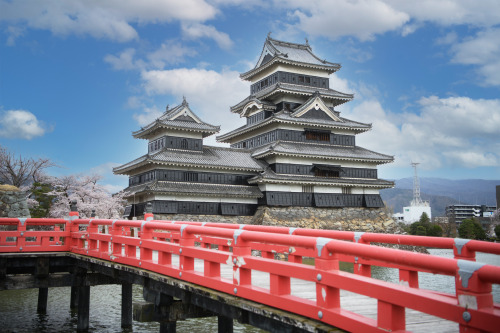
x: 269, y: 34
x: 184, y: 102
x: 307, y: 42
x: 168, y: 107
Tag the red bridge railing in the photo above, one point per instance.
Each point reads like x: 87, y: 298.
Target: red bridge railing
x: 153, y: 245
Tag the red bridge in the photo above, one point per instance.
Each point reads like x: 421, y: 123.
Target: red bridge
x: 252, y: 273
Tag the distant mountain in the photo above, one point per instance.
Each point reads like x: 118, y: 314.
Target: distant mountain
x: 441, y: 193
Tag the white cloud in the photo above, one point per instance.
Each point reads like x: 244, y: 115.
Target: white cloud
x: 124, y: 61
x: 208, y: 92
x: 13, y: 33
x: 482, y: 50
x: 149, y: 114
x: 20, y: 124
x: 451, y: 12
x: 446, y: 132
x: 102, y: 19
x: 168, y: 53
x: 198, y: 30
x: 333, y: 19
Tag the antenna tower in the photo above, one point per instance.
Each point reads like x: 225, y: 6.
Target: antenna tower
x: 417, y: 201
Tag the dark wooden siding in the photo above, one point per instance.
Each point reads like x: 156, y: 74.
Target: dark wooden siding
x: 287, y: 77
x: 373, y: 201
x: 294, y: 136
x: 190, y: 176
x: 202, y: 208
x: 299, y: 169
x: 175, y: 142
x: 329, y: 200
x: 321, y: 199
x: 288, y: 199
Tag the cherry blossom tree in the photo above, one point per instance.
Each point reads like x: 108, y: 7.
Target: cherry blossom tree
x: 88, y: 194
x: 20, y: 171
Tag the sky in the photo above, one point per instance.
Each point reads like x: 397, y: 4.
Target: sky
x: 77, y: 77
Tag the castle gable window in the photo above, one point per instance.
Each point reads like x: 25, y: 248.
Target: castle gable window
x: 317, y: 135
x: 330, y: 171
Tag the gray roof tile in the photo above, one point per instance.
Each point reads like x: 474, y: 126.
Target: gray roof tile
x: 185, y: 188
x: 318, y: 150
x: 286, y: 117
x: 299, y: 54
x: 269, y: 176
x: 209, y: 157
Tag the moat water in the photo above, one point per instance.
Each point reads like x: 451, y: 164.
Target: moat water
x: 18, y: 307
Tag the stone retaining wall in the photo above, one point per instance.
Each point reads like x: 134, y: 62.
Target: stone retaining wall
x: 13, y: 202
x: 349, y: 219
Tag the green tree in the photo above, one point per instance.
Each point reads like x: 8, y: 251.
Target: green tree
x: 421, y: 231
x: 471, y: 229
x: 497, y: 230
x: 424, y: 220
x: 39, y: 192
x: 435, y: 230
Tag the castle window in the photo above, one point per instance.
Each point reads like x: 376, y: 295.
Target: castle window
x: 307, y: 189
x: 308, y: 79
x: 190, y: 176
x: 330, y: 171
x: 184, y: 144
x: 316, y: 135
x: 346, y: 190
x: 244, y: 144
x: 301, y: 79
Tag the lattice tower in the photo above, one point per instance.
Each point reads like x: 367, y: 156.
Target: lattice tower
x: 417, y: 201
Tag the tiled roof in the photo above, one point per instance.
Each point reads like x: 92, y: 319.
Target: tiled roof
x: 291, y: 88
x: 285, y: 117
x: 209, y: 157
x: 186, y: 188
x: 270, y: 176
x: 321, y: 151
x: 173, y: 120
x: 286, y: 52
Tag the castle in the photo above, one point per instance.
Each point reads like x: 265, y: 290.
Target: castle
x: 295, y: 149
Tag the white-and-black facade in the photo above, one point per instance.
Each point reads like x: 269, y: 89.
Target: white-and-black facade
x: 294, y: 150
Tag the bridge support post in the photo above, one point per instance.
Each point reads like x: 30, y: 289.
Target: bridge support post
x: 224, y: 324
x: 73, y: 303
x: 83, y: 308
x: 43, y: 294
x: 126, y: 305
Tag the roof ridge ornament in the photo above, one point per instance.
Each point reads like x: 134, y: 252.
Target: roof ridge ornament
x: 167, y: 107
x: 184, y: 102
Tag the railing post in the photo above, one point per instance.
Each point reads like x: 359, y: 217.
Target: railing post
x: 472, y: 293
x: 461, y: 251
x: 359, y: 267
x: 21, y: 230
x: 326, y: 296
x: 186, y: 240
x: 241, y: 275
x: 390, y: 317
x: 408, y: 277
x: 76, y: 242
x: 115, y: 245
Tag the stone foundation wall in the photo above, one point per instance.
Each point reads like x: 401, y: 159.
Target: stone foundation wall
x: 349, y: 219
x: 13, y: 202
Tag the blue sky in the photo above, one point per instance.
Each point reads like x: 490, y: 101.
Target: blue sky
x: 77, y: 77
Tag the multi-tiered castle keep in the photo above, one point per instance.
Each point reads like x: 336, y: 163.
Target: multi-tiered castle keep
x: 295, y: 149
